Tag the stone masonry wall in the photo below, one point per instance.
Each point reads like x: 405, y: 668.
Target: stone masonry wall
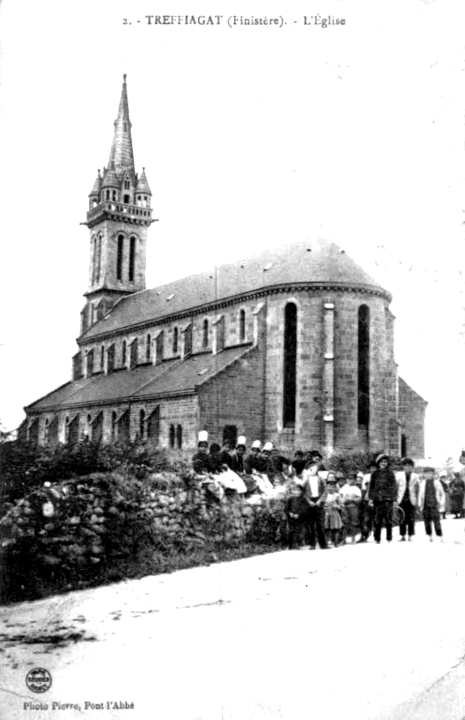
x: 412, y: 409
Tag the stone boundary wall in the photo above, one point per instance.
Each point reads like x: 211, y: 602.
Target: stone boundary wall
x: 74, y: 528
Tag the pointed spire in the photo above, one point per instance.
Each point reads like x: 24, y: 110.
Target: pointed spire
x: 121, y: 153
x: 111, y: 179
x: 97, y: 185
x: 143, y: 185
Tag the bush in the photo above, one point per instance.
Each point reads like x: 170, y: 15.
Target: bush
x: 26, y: 466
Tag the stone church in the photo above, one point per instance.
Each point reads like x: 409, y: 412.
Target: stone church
x: 294, y: 345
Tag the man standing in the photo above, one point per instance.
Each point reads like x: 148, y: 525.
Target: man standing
x: 407, y: 497
x: 382, y: 493
x: 430, y: 498
x: 314, y: 493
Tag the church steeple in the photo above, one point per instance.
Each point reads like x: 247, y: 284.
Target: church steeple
x: 118, y: 218
x: 121, y: 153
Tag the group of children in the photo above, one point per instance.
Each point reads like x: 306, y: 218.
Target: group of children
x: 361, y: 503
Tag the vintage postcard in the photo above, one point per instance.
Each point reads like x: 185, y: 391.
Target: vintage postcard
x: 233, y: 231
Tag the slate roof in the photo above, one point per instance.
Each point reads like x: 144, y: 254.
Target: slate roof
x: 169, y: 377
x: 319, y: 263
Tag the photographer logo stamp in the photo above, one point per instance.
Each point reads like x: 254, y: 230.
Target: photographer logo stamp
x: 38, y: 680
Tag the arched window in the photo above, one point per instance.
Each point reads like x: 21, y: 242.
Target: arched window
x: 123, y: 354
x: 119, y: 258
x: 205, y: 334
x: 99, y: 259
x: 148, y: 347
x: 94, y: 258
x: 363, y: 365
x: 132, y: 258
x: 242, y: 325
x: 172, y: 436
x: 134, y: 356
x: 179, y: 436
x: 126, y: 184
x: 142, y: 424
x: 175, y: 340
x: 290, y: 364
x: 126, y: 199
x: 102, y: 357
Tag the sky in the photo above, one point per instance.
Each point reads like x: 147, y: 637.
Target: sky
x: 252, y: 136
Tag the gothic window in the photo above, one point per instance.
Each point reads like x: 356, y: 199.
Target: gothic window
x: 99, y: 259
x: 172, y: 437
x: 94, y: 256
x: 175, y: 340
x: 242, y: 325
x: 179, y: 436
x: 114, y: 195
x: 46, y: 432
x: 126, y: 199
x: 134, y: 354
x: 126, y: 184
x: 102, y: 357
x: 142, y: 424
x: 108, y: 194
x: 363, y: 365
x: 205, y: 334
x: 111, y: 359
x: 290, y: 365
x: 148, y: 347
x: 187, y: 340
x: 90, y: 362
x: 132, y: 258
x: 119, y: 258
x: 160, y: 347
x: 123, y: 354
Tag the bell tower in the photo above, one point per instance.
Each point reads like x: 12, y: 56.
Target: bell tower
x: 118, y: 219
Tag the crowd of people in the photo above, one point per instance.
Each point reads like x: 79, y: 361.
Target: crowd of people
x: 328, y: 507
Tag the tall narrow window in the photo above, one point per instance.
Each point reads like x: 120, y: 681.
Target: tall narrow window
x: 363, y: 365
x: 175, y: 340
x: 179, y: 436
x: 123, y: 354
x: 102, y: 357
x: 99, y: 259
x: 111, y: 359
x: 132, y: 258
x: 290, y: 364
x: 159, y: 347
x: 142, y: 424
x: 148, y: 347
x: 90, y: 362
x: 242, y: 325
x: 94, y: 258
x: 187, y: 340
x: 172, y: 436
x: 205, y: 334
x: 134, y: 359
x: 119, y: 258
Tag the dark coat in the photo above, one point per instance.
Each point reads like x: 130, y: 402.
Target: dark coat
x: 383, y: 486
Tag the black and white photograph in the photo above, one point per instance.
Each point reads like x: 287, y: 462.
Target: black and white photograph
x: 232, y: 351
